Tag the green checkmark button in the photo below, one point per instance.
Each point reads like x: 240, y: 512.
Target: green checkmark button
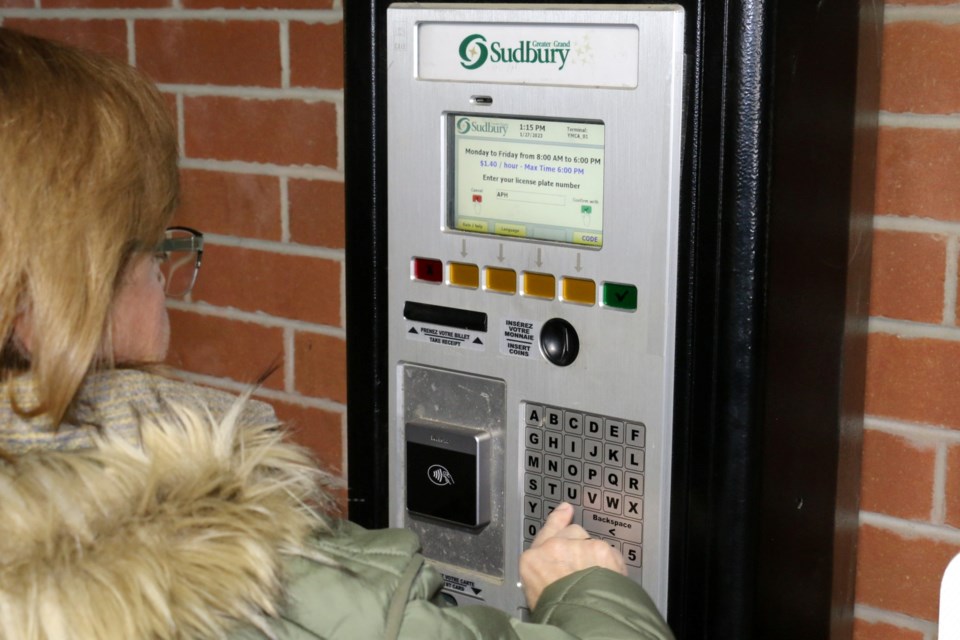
x: 620, y: 296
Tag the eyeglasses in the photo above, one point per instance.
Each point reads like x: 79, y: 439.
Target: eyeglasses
x: 180, y: 253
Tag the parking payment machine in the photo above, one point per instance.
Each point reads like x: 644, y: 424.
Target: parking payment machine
x: 532, y: 282
x: 604, y: 254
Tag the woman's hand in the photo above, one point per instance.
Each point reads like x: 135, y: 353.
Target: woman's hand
x: 560, y: 549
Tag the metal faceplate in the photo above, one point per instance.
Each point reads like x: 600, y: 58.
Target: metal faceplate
x: 613, y: 290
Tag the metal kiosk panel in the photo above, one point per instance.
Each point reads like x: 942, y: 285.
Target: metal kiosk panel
x: 533, y: 175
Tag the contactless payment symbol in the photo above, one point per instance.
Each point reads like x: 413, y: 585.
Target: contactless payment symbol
x: 439, y: 475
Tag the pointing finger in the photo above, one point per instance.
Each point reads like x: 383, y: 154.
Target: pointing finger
x: 556, y: 522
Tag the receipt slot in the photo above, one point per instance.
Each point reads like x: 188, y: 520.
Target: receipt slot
x: 604, y: 254
x: 513, y: 149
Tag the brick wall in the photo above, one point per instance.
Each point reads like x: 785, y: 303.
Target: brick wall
x: 256, y: 88
x: 910, y: 497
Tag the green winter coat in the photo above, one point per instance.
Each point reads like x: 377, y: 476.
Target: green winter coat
x: 356, y: 595
x: 186, y: 517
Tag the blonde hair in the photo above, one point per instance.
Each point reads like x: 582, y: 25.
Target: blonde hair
x: 89, y: 178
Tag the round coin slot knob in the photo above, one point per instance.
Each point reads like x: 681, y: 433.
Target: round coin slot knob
x: 559, y: 342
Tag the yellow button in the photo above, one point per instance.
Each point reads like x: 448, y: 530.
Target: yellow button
x: 504, y: 229
x: 469, y: 224
x: 501, y: 280
x: 539, y: 285
x: 592, y: 238
x: 464, y: 275
x: 578, y: 290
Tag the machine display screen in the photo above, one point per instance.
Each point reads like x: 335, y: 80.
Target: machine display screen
x: 526, y: 178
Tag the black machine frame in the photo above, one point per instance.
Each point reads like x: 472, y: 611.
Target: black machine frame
x: 777, y: 194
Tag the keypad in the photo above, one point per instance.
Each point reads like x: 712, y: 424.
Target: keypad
x: 596, y: 463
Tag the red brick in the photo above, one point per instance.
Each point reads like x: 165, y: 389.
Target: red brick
x: 241, y: 53
x: 108, y: 37
x: 285, y: 286
x: 880, y: 631
x: 953, y: 487
x: 320, y: 366
x: 318, y: 429
x: 957, y: 308
x: 230, y: 204
x: 106, y: 4
x: 897, y: 476
x: 316, y: 55
x: 919, y: 68
x: 901, y: 574
x: 913, y: 379
x: 908, y: 276
x: 224, y: 348
x: 286, y: 132
x: 258, y: 4
x: 19, y: 4
x: 917, y: 173
x: 317, y: 214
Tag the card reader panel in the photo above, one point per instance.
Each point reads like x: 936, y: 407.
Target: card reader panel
x: 448, y: 473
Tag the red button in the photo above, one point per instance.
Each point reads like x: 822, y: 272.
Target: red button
x: 428, y: 269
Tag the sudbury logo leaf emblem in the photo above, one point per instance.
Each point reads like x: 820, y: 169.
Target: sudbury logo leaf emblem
x: 473, y: 51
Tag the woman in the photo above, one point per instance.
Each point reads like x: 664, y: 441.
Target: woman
x: 135, y: 506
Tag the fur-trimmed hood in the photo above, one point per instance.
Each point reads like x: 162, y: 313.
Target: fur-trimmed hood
x: 181, y: 537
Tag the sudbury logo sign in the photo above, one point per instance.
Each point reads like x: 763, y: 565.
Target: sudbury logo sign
x: 475, y: 52
x: 465, y: 125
